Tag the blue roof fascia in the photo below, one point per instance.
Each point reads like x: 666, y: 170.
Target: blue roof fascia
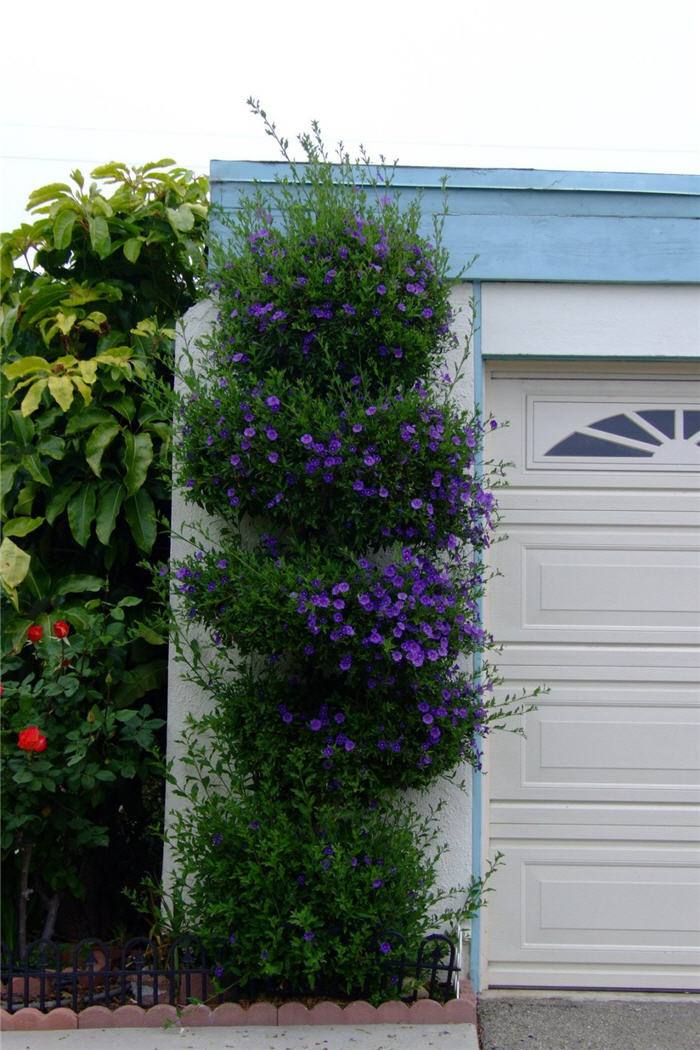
x: 532, y: 225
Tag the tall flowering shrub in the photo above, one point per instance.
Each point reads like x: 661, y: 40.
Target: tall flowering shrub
x: 341, y: 595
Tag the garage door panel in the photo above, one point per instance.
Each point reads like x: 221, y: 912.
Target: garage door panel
x: 597, y: 806
x: 596, y: 585
x: 599, y: 902
x: 582, y: 753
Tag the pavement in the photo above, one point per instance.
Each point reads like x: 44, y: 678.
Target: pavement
x: 588, y: 1021
x: 512, y: 1021
x: 298, y: 1037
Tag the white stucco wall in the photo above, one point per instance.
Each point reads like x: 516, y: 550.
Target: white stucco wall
x: 590, y: 320
x: 184, y: 698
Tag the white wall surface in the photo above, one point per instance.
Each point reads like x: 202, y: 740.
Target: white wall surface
x: 589, y: 320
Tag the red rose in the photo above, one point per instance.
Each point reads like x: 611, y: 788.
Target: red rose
x: 35, y: 632
x: 61, y: 628
x: 30, y: 739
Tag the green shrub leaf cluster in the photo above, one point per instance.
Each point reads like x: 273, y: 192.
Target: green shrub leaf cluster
x: 91, y: 291
x: 341, y: 592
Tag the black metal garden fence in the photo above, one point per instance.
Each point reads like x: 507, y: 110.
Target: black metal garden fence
x: 144, y: 973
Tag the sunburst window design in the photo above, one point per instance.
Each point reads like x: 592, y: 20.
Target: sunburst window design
x: 669, y: 435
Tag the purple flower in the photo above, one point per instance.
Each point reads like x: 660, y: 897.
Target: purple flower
x: 315, y: 724
x: 306, y: 439
x: 218, y: 838
x: 345, y: 662
x: 273, y: 403
x: 309, y: 935
x: 218, y: 971
x: 254, y: 825
x: 381, y: 289
x: 385, y: 947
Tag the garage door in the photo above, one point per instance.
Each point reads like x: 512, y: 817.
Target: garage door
x: 597, y: 807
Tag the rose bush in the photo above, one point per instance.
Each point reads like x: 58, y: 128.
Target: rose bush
x: 70, y: 747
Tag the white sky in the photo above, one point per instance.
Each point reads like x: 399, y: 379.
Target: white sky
x: 610, y: 85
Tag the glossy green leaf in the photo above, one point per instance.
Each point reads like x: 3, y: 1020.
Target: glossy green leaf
x: 181, y: 218
x: 61, y: 389
x: 21, y: 526
x: 142, y: 680
x: 32, y: 399
x: 24, y: 428
x: 109, y: 502
x: 25, y: 366
x: 99, y: 235
x: 36, y: 468
x: 63, y: 227
x: 14, y: 564
x: 98, y: 442
x: 81, y: 513
x: 77, y: 582
x: 58, y: 500
x: 132, y: 248
x: 141, y: 515
x: 86, y: 418
x: 138, y: 457
x: 46, y: 193
x: 51, y: 446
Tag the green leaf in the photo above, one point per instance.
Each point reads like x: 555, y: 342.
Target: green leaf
x: 32, y: 399
x: 99, y: 235
x: 51, y: 446
x: 63, y: 228
x: 149, y: 635
x: 87, y: 417
x: 109, y: 501
x: 105, y: 774
x: 137, y: 459
x: 132, y: 248
x: 97, y: 444
x: 21, y: 526
x: 25, y: 366
x: 46, y: 193
x: 36, y: 468
x: 14, y: 564
x: 24, y: 428
x: 141, y: 680
x: 140, y: 513
x: 181, y: 219
x: 58, y: 500
x: 61, y: 388
x: 81, y: 513
x: 77, y: 582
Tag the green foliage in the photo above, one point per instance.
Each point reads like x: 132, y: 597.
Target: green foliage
x: 341, y: 591
x: 78, y: 692
x: 91, y: 292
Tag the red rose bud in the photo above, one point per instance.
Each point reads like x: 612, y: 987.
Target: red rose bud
x: 30, y: 739
x: 61, y: 628
x: 35, y: 632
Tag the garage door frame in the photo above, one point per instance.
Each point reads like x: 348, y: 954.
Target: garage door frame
x: 589, y: 358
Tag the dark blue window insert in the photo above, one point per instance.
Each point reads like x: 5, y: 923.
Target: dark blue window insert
x: 623, y: 425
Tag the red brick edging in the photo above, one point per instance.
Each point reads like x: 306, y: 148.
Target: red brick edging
x: 425, y: 1011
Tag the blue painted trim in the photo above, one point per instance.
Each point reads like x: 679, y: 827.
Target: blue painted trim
x: 247, y: 171
x: 477, y: 778
x: 539, y: 225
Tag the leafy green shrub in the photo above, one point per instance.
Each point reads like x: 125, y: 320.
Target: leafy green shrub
x: 90, y: 294
x: 341, y: 593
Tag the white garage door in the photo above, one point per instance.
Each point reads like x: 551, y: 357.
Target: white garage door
x: 597, y: 808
